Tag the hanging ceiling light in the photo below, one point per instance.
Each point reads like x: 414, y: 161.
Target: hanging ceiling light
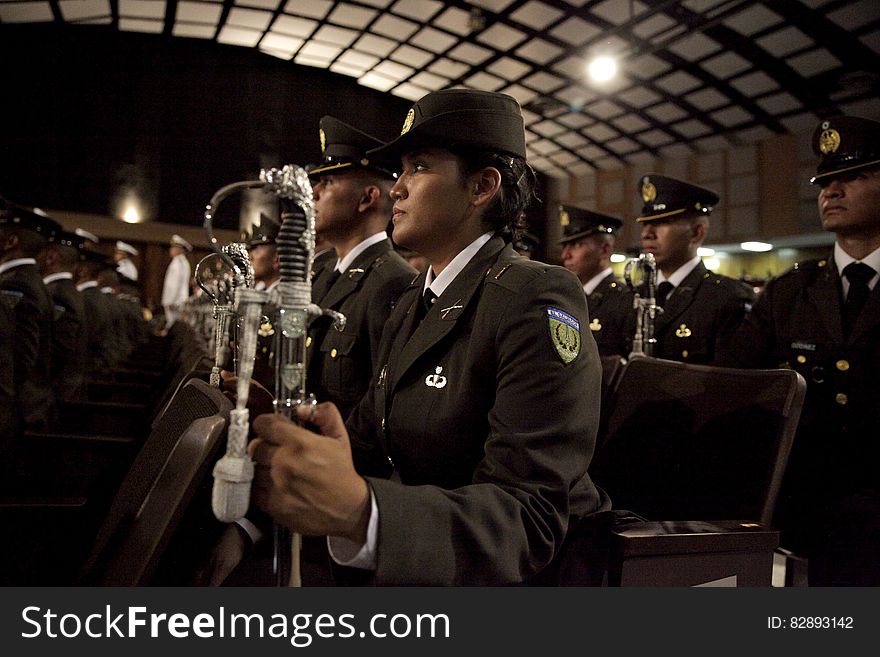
x: 602, y: 68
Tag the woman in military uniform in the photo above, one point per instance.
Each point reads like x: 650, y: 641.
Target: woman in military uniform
x: 462, y: 475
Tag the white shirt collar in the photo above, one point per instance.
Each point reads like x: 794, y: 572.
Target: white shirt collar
x: 679, y: 274
x: 58, y: 276
x: 453, y: 269
x: 593, y: 283
x: 18, y: 262
x: 86, y: 285
x: 345, y: 263
x: 842, y: 259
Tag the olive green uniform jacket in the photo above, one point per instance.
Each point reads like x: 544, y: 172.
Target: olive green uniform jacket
x: 700, y: 315
x: 829, y: 505
x: 478, y: 431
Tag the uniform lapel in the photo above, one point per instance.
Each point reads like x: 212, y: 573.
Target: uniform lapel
x: 825, y: 295
x: 681, y: 297
x: 869, y: 318
x: 350, y: 280
x: 447, y: 310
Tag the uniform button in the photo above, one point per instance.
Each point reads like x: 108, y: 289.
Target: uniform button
x: 842, y: 365
x: 333, y: 353
x: 841, y: 398
x: 802, y: 359
x: 308, y: 342
x: 684, y: 354
x: 383, y: 424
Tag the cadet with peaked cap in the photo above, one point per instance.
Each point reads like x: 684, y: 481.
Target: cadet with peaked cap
x: 100, y: 354
x: 700, y: 309
x: 360, y: 277
x: 587, y: 244
x: 822, y: 318
x: 58, y: 262
x: 264, y: 253
x: 352, y: 209
x: 462, y: 477
x: 178, y: 275
x: 23, y: 235
x: 124, y: 264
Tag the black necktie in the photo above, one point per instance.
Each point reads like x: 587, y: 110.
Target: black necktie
x: 858, y: 275
x: 427, y: 300
x: 663, y: 291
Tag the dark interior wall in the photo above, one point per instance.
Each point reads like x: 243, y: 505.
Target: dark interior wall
x: 89, y: 113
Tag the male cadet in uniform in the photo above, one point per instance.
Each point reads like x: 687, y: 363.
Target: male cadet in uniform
x: 809, y: 319
x: 70, y: 330
x: 99, y: 354
x: 124, y: 264
x: 263, y: 254
x: 352, y: 209
x: 23, y: 235
x: 175, y: 287
x: 700, y: 310
x: 587, y: 243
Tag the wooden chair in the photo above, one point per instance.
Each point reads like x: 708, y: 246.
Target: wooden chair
x: 195, y: 400
x: 133, y: 555
x: 680, y: 441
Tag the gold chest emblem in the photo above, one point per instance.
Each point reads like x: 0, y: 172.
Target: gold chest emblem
x: 595, y: 325
x: 683, y: 331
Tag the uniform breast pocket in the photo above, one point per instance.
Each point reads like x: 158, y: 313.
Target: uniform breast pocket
x: 339, y: 364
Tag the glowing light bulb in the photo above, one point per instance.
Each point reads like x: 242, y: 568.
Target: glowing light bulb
x: 131, y: 215
x: 602, y: 68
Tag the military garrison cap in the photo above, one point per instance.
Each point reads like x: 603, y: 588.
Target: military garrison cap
x: 344, y: 147
x: 12, y: 214
x: 177, y: 240
x: 669, y: 198
x: 578, y: 222
x: 461, y: 117
x: 72, y: 240
x: 264, y: 232
x: 125, y: 247
x: 526, y: 241
x: 845, y: 143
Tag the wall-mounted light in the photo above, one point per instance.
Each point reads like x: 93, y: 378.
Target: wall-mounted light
x: 712, y: 264
x: 705, y: 252
x: 756, y: 246
x: 131, y: 215
x: 618, y: 257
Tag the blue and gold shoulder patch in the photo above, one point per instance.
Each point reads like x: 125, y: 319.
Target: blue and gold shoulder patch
x: 565, y: 333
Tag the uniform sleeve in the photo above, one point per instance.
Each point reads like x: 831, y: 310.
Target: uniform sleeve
x: 26, y: 334
x: 750, y: 344
x: 510, y: 521
x: 732, y: 316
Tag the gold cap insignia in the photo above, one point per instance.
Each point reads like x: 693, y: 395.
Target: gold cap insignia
x: 408, y: 121
x: 829, y: 141
x: 649, y: 192
x: 564, y: 219
x: 323, y: 139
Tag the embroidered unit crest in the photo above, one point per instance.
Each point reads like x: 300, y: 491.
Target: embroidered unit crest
x: 565, y: 333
